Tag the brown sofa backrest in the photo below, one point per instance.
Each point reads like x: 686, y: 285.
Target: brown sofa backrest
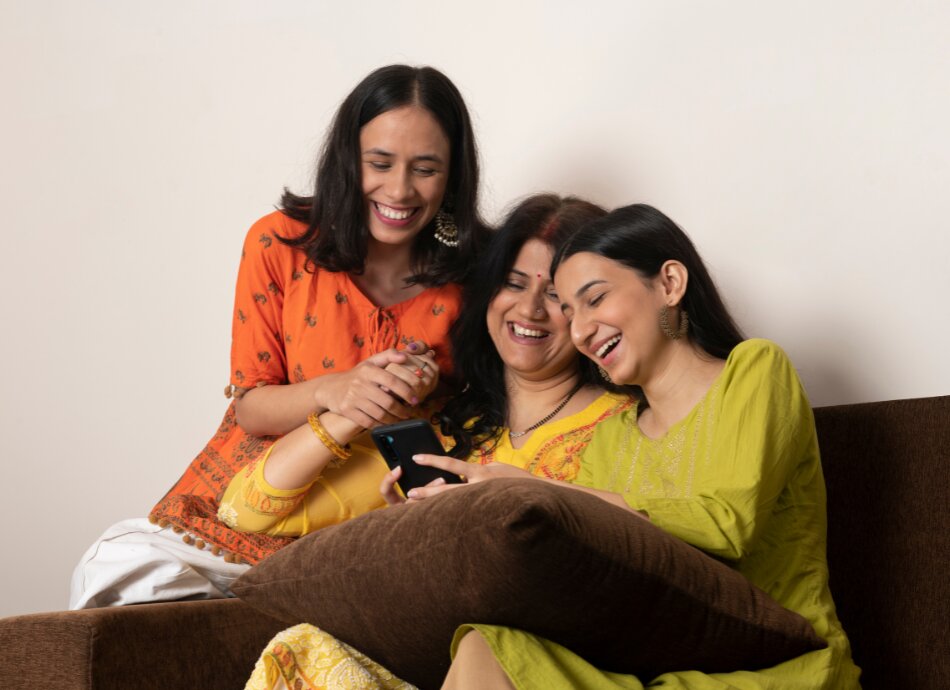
x: 887, y: 468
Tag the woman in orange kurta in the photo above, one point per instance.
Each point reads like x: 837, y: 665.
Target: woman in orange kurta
x: 340, y: 296
x: 291, y: 326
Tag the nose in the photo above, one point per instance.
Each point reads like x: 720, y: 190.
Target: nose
x: 531, y: 304
x: 582, y: 330
x: 398, y: 185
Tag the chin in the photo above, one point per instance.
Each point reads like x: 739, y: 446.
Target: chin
x: 395, y: 238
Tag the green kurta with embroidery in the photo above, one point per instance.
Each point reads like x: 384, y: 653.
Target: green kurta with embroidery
x: 739, y: 478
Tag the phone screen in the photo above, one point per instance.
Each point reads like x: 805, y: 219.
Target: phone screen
x: 399, y: 442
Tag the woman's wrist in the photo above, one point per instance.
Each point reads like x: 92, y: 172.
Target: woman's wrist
x: 319, y: 404
x: 343, y: 429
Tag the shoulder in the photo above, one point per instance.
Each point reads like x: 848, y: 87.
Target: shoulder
x: 275, y: 224
x: 261, y: 242
x: 760, y: 369
x: 448, y: 292
x: 758, y: 354
x: 609, y: 404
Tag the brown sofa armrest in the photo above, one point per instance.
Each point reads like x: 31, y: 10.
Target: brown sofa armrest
x: 187, y: 644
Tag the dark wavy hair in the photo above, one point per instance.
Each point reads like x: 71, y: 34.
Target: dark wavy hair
x: 642, y: 238
x: 337, y: 234
x: 479, y: 413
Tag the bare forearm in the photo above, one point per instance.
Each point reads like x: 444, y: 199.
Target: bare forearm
x: 373, y: 392
x: 300, y: 457
x: 609, y: 496
x: 477, y: 473
x: 277, y: 409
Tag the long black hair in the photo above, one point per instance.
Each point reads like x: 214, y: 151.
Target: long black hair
x: 479, y: 413
x: 642, y: 238
x: 337, y: 235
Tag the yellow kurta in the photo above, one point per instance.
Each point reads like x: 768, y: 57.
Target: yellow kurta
x: 739, y: 478
x: 306, y: 654
x: 251, y: 504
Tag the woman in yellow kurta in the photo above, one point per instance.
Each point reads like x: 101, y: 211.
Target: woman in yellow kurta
x: 531, y: 403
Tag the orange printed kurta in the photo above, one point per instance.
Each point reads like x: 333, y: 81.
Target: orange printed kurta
x: 291, y: 325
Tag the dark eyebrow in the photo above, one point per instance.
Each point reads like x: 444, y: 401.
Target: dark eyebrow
x: 584, y: 288
x: 424, y: 157
x: 587, y: 286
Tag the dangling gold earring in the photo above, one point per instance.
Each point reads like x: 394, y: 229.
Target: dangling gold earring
x: 665, y: 324
x: 446, y: 231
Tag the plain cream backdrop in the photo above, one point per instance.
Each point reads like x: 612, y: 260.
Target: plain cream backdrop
x: 804, y: 146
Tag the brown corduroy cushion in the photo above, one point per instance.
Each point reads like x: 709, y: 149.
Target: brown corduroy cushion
x: 522, y: 553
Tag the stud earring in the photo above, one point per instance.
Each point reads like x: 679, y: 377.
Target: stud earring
x: 446, y: 231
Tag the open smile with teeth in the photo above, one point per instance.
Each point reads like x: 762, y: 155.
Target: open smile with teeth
x: 607, y: 347
x: 394, y: 213
x: 522, y: 332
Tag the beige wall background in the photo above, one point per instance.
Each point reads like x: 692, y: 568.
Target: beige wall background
x: 804, y: 146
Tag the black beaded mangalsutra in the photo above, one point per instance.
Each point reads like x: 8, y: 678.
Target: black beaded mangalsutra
x: 519, y: 434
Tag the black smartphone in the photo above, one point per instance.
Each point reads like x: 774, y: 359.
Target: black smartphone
x: 399, y: 442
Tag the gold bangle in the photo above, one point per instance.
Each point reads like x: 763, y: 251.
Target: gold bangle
x: 341, y: 452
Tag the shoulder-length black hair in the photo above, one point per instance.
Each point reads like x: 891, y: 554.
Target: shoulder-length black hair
x: 335, y: 214
x: 480, y: 412
x: 642, y: 238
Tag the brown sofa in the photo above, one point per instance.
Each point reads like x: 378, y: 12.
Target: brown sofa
x: 887, y: 467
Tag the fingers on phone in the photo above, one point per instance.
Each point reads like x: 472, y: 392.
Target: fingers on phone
x: 387, y: 487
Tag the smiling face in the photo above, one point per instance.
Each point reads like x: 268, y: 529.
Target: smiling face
x: 405, y: 169
x: 525, y: 320
x: 613, y: 315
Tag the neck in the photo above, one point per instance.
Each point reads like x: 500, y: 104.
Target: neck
x: 386, y: 263
x: 681, y: 378
x: 385, y: 270
x: 530, y: 400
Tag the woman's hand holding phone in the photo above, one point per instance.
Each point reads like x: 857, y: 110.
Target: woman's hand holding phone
x: 473, y: 473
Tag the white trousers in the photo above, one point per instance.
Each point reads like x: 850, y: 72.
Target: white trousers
x: 136, y: 562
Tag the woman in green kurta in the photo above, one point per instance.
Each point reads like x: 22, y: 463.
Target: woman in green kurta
x: 739, y: 477
x: 721, y: 452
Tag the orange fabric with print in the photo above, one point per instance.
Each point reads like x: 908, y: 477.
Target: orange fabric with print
x: 291, y: 325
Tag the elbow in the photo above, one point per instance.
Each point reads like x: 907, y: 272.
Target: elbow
x: 248, y: 418
x: 729, y: 542
x: 240, y: 521
x: 730, y: 552
x: 734, y: 545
